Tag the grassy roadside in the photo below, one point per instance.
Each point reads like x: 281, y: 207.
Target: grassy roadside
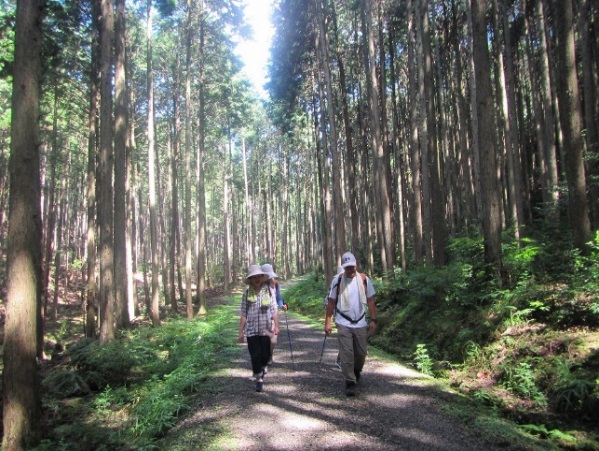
x: 129, y: 393
x: 500, y: 377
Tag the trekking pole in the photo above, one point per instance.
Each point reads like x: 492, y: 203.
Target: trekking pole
x: 322, y: 351
x: 289, y: 340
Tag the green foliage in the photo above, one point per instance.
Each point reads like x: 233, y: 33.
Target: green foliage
x: 104, y: 365
x: 138, y: 385
x: 422, y: 360
x: 64, y: 383
x: 519, y: 260
x: 586, y: 267
x: 521, y: 379
x: 542, y: 431
x: 571, y: 395
x: 572, y: 388
x: 308, y: 296
x: 487, y: 399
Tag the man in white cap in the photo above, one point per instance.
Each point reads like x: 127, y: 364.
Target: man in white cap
x: 351, y: 294
x: 259, y: 321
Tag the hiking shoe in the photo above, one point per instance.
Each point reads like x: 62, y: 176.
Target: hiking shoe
x: 259, y: 386
x: 350, y: 388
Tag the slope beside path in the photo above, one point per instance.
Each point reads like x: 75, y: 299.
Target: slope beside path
x: 304, y: 406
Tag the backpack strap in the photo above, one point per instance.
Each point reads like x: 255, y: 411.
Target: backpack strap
x: 343, y: 315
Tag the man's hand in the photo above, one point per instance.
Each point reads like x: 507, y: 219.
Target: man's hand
x: 328, y: 328
x: 241, y: 338
x: 284, y: 307
x: 372, y: 328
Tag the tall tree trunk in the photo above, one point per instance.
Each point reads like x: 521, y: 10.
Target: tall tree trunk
x: 20, y: 379
x: 424, y: 133
x: 120, y: 172
x: 174, y: 159
x: 352, y: 200
x: 414, y: 139
x: 284, y: 213
x: 510, y: 125
x: 571, y: 120
x: 173, y: 217
x: 61, y: 209
x: 187, y: 213
x: 92, y: 154
x: 249, y: 239
x: 154, y: 304
x: 590, y: 67
x: 323, y: 183
x: 106, y: 165
x: 433, y: 206
x: 133, y: 214
x: 383, y: 193
x: 201, y: 201
x: 226, y: 218
x: 400, y: 172
x: 201, y: 285
x: 338, y: 207
x: 50, y: 208
x: 549, y: 148
x: 488, y: 171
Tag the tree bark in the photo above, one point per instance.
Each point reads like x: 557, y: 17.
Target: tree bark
x: 105, y: 172
x: 20, y: 379
x: 92, y: 155
x: 120, y: 172
x: 591, y: 114
x: 570, y: 113
x: 383, y: 194
x: 414, y: 139
x: 155, y: 300
x: 337, y: 194
x: 488, y: 171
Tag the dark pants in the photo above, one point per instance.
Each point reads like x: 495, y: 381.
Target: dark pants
x: 259, y: 347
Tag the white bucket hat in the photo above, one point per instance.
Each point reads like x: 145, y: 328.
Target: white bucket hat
x: 348, y: 259
x: 254, y: 270
x: 267, y: 268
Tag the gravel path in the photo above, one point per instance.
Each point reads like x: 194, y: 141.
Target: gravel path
x: 304, y: 406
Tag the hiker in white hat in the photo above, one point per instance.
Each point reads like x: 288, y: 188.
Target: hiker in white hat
x: 350, y: 296
x: 259, y: 321
x: 273, y: 283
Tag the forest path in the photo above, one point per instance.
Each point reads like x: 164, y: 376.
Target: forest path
x: 304, y: 406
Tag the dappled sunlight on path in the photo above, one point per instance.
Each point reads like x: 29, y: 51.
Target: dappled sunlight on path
x: 303, y: 406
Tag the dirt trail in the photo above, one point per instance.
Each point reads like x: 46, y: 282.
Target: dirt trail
x: 304, y: 406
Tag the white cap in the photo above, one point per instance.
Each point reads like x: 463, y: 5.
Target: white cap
x: 348, y: 259
x: 267, y: 268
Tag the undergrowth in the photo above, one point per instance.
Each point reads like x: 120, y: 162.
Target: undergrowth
x: 528, y: 348
x: 130, y: 392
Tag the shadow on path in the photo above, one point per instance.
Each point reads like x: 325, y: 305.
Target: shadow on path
x: 303, y: 406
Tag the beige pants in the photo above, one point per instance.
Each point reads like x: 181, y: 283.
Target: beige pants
x: 353, y: 346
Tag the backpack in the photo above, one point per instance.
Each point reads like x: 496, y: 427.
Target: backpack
x: 363, y: 276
